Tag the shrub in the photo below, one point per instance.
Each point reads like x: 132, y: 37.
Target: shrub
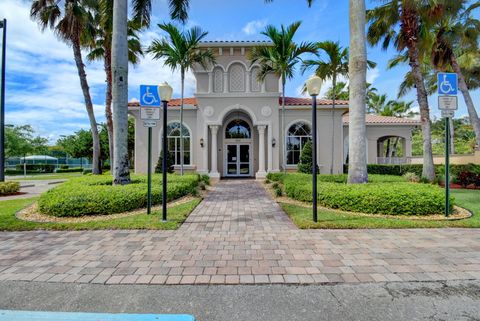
x: 170, y: 164
x: 466, y: 178
x: 95, y: 194
x: 37, y: 168
x: 202, y: 185
x: 278, y: 191
x: 411, y: 177
x: 64, y: 166
x: 8, y: 188
x: 401, y: 198
x: 417, y: 169
x: 306, y: 161
x: 70, y: 170
x: 275, y: 185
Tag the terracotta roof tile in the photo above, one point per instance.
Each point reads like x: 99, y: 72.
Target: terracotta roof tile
x: 376, y: 119
x: 172, y: 103
x: 289, y: 101
x: 294, y: 101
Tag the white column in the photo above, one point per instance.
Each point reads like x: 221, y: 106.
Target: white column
x: 261, y: 152
x: 205, y: 150
x: 270, y: 149
x: 214, y: 171
x: 247, y: 84
x: 263, y: 86
x: 210, y: 82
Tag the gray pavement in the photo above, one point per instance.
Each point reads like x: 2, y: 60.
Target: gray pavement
x: 452, y: 300
x: 33, y: 188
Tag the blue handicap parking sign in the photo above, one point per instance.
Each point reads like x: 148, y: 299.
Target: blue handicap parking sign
x: 447, y: 83
x: 149, y: 96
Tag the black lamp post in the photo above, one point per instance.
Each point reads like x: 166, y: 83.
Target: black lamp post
x: 165, y: 92
x: 314, y: 84
x: 3, y: 26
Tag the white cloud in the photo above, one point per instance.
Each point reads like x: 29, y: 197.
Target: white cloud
x: 372, y: 75
x: 254, y: 27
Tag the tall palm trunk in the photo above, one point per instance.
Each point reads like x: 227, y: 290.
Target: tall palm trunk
x: 120, y: 93
x: 108, y: 103
x: 182, y: 71
x: 472, y: 113
x: 77, y: 53
x: 283, y: 138
x: 409, y: 25
x: 357, y: 164
x: 334, y: 83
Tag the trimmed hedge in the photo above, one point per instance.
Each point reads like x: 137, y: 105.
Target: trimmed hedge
x: 8, y: 188
x: 39, y: 168
x: 401, y: 170
x: 379, y: 196
x: 337, y: 178
x: 70, y: 170
x: 95, y: 195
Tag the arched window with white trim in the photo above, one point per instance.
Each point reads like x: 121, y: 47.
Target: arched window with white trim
x: 173, y: 139
x: 298, y: 135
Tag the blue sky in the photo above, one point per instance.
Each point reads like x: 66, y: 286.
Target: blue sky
x: 43, y: 87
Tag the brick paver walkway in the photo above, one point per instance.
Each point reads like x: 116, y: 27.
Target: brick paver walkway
x: 238, y: 234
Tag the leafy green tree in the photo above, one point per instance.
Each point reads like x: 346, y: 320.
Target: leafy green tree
x: 20, y: 141
x: 72, y: 24
x: 280, y: 58
x: 180, y: 50
x: 306, y: 160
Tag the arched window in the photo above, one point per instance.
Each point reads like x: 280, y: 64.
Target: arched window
x: 173, y: 139
x: 218, y: 80
x: 237, y: 77
x: 297, y: 136
x: 238, y: 129
x: 255, y: 84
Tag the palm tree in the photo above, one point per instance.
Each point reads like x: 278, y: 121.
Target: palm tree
x: 72, y: 24
x: 101, y: 49
x: 357, y: 165
x: 180, y: 50
x: 335, y: 65
x: 280, y: 58
x: 403, y: 22
x: 457, y: 33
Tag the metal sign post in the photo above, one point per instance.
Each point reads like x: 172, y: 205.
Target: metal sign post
x: 447, y: 103
x: 149, y: 112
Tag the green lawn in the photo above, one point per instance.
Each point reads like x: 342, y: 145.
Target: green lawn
x: 176, y: 216
x: 40, y: 177
x: 330, y: 219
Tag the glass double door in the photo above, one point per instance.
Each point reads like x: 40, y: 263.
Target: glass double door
x: 238, y: 160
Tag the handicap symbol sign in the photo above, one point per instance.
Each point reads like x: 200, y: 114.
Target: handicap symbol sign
x: 447, y: 83
x: 149, y: 96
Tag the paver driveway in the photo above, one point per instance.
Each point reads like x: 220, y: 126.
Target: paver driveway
x: 238, y: 234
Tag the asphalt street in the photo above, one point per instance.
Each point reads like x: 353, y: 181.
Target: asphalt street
x: 452, y: 300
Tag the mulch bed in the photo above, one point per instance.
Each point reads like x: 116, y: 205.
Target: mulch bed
x: 14, y: 194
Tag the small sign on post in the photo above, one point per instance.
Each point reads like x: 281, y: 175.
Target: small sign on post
x: 447, y: 84
x: 149, y: 112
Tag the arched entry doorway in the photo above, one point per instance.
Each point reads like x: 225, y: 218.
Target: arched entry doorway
x: 238, y: 146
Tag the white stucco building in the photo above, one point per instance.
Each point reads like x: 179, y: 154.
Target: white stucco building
x: 233, y: 125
